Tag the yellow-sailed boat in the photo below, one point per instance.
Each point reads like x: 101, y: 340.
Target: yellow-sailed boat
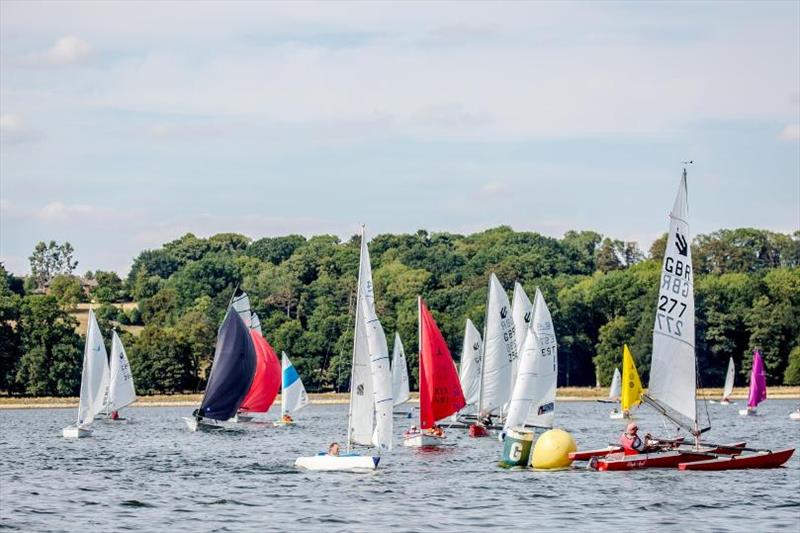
x: 631, y: 393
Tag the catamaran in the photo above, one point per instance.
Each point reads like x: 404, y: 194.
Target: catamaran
x: 631, y: 392
x: 499, y: 354
x: 533, y: 399
x: 94, y: 382
x: 440, y: 393
x: 232, y: 373
x: 293, y: 394
x: 369, y: 421
x: 400, y: 388
x: 121, y: 392
x: 672, y: 389
x: 758, y: 386
x: 728, y: 389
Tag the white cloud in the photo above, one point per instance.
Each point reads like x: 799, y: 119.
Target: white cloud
x: 69, y: 50
x: 790, y: 133
x: 14, y: 131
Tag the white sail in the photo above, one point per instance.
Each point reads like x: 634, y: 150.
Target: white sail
x: 534, y: 395
x: 241, y: 304
x: 95, y: 377
x: 672, y: 386
x: 400, y: 390
x: 729, y: 379
x: 616, y: 386
x: 293, y: 393
x: 121, y: 391
x: 255, y: 323
x: 499, y: 350
x: 470, y: 372
x: 522, y: 312
x: 371, y: 352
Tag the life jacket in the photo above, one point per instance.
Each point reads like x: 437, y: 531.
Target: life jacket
x: 630, y: 444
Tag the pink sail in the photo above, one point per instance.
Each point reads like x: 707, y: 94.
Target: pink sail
x: 758, y: 381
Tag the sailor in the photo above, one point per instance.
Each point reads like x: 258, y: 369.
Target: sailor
x: 436, y: 431
x: 286, y: 419
x: 114, y: 415
x: 632, y: 443
x: 333, y: 449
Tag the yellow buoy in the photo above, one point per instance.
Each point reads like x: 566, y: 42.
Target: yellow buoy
x: 552, y: 450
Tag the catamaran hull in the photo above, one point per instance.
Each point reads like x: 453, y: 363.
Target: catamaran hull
x: 422, y: 440
x: 759, y: 460
x: 670, y: 459
x: 331, y: 463
x: 588, y: 454
x: 74, y: 432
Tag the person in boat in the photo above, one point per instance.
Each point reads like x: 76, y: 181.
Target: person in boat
x: 412, y: 430
x: 114, y: 415
x: 632, y: 444
x: 486, y: 420
x: 436, y: 431
x: 333, y: 449
x: 286, y: 419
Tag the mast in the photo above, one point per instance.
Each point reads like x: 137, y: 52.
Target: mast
x: 355, y: 340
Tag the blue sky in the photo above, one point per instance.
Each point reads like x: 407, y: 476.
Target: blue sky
x: 125, y: 125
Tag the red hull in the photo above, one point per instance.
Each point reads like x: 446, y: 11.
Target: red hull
x: 476, y: 431
x: 588, y: 454
x: 760, y: 460
x: 670, y: 459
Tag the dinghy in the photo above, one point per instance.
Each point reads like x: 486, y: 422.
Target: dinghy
x: 534, y: 397
x: 521, y: 312
x: 631, y: 391
x: 232, y: 373
x: 400, y: 388
x: 369, y: 420
x: 293, y: 394
x: 615, y: 389
x: 758, y: 386
x: 121, y: 392
x: 499, y: 353
x: 94, y: 382
x: 470, y: 366
x: 440, y: 393
x: 761, y: 459
x: 795, y: 415
x: 728, y: 390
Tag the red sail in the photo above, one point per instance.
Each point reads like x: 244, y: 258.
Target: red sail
x: 267, y: 381
x: 440, y: 392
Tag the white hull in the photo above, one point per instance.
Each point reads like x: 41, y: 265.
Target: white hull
x: 241, y: 418
x: 616, y: 416
x: 421, y: 439
x: 795, y: 415
x: 748, y: 412
x: 330, y: 463
x: 74, y: 432
x: 193, y: 425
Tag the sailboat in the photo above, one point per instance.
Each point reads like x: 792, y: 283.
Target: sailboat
x: 232, y: 373
x: 631, y: 386
x: 94, y: 382
x: 400, y: 389
x: 369, y: 420
x: 728, y: 390
x: 499, y: 353
x: 534, y: 396
x: 614, y: 390
x: 121, y: 392
x: 440, y: 393
x: 758, y: 386
x: 293, y: 394
x: 470, y: 371
x: 521, y: 312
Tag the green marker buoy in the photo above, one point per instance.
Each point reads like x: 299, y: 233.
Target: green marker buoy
x: 517, y: 448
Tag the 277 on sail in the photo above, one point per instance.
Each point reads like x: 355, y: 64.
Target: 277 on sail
x: 676, y: 286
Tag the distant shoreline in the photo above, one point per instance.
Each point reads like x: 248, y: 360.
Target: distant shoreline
x: 564, y: 394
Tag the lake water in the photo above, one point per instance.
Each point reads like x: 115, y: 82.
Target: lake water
x: 153, y: 475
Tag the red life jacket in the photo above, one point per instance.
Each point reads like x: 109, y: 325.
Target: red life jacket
x: 630, y: 444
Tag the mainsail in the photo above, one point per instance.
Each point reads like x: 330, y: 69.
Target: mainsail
x: 632, y: 389
x: 400, y: 390
x: 293, y: 394
x: 758, y: 382
x: 616, y: 388
x: 95, y: 376
x: 535, y: 389
x: 371, y: 363
x: 470, y: 372
x: 440, y: 392
x: 729, y: 379
x: 232, y: 371
x: 673, y: 386
x: 241, y: 304
x: 499, y: 350
x: 267, y: 380
x: 120, y: 389
x: 522, y: 311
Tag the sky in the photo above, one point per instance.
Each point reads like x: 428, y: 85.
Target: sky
x: 126, y: 125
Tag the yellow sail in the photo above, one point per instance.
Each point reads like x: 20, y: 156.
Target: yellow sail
x: 631, y: 384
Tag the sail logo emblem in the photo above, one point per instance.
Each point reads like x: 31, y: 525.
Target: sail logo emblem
x: 503, y: 312
x: 360, y: 389
x: 476, y: 346
x: 528, y: 317
x: 681, y: 244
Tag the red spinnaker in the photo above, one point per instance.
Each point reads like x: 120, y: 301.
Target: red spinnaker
x: 267, y: 381
x: 440, y: 393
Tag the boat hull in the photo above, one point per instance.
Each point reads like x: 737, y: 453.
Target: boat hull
x: 331, y: 463
x: 423, y: 440
x: 477, y: 431
x: 668, y: 459
x: 758, y: 460
x: 617, y: 416
x: 588, y: 454
x: 748, y: 412
x: 795, y: 416
x: 75, y: 432
x: 206, y: 425
x: 243, y: 418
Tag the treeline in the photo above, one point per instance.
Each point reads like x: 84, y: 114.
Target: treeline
x: 601, y: 293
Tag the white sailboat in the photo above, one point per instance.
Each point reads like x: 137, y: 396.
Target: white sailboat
x: 400, y: 389
x: 94, y: 382
x: 293, y: 393
x: 728, y: 390
x: 616, y: 387
x: 470, y: 371
x: 522, y: 312
x: 534, y: 395
x: 370, y: 415
x: 673, y: 369
x: 121, y: 391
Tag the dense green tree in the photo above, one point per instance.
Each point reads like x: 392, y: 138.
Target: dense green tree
x: 9, y: 336
x: 275, y: 250
x: 67, y: 290
x: 792, y: 374
x: 109, y: 287
x: 50, y: 260
x: 161, y: 362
